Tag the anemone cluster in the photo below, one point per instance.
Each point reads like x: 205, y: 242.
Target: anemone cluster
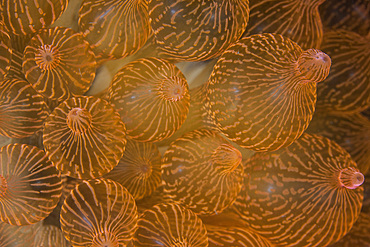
x: 218, y: 123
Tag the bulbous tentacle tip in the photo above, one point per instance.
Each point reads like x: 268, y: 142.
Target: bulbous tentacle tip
x: 350, y: 178
x: 105, y: 239
x: 314, y: 65
x: 173, y: 88
x: 79, y: 120
x: 226, y: 157
x: 47, y: 57
x: 144, y: 168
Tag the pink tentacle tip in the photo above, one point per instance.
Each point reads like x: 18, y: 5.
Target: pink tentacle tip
x: 351, y: 178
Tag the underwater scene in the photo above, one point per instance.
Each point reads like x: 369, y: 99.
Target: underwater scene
x: 185, y: 123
